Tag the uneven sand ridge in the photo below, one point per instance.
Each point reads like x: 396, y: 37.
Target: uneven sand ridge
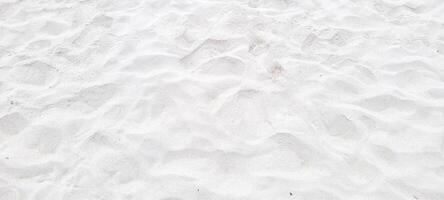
x: 221, y: 99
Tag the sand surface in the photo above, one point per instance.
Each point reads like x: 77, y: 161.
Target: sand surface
x: 221, y: 100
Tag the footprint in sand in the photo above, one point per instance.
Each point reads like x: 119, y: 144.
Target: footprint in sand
x: 42, y: 139
x: 225, y: 65
x: 12, y: 124
x: 38, y: 45
x: 339, y: 125
x: 121, y: 168
x: 9, y: 193
x: 54, y: 28
x: 36, y: 73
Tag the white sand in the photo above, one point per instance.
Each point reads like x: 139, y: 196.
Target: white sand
x: 222, y: 99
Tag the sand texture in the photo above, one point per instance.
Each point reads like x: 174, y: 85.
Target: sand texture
x: 221, y: 100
